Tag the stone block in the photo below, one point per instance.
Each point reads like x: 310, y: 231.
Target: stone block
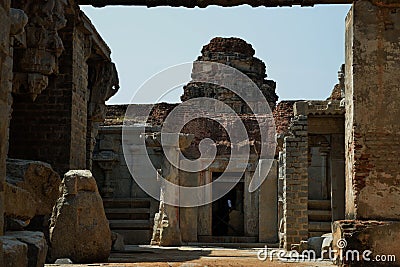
x: 15, y: 224
x: 300, y: 108
x: 188, y: 224
x: 39, y: 179
x: 118, y: 243
x: 379, y: 237
x: 326, y: 245
x: 63, y: 261
x: 15, y: 253
x: 76, y: 181
x: 79, y: 229
x: 20, y: 203
x: 36, y: 244
x: 315, y: 244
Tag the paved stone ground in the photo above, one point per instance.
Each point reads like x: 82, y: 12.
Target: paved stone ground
x: 191, y: 257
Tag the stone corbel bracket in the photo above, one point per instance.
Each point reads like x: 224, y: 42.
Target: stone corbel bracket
x: 41, y: 46
x: 17, y: 30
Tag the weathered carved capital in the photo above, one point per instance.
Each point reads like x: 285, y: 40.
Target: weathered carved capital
x: 18, y: 21
x: 103, y: 84
x: 38, y: 57
x: 29, y: 84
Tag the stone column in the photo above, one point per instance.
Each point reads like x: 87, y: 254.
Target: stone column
x: 324, y: 170
x: 166, y: 222
x: 372, y: 128
x: 188, y: 216
x: 268, y: 207
x: 204, y: 219
x: 171, y: 235
x: 295, y: 183
x: 337, y: 175
x: 107, y: 161
x: 250, y: 207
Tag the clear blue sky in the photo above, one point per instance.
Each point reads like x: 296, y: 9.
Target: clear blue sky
x: 302, y: 47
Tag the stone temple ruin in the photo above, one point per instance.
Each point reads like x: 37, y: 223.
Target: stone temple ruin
x: 335, y: 171
x: 317, y: 127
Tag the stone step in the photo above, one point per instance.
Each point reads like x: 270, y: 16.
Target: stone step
x: 135, y: 237
x: 126, y: 210
x: 227, y: 239
x: 126, y: 202
x: 232, y: 245
x: 130, y: 224
x: 319, y: 204
x: 319, y: 227
x: 320, y: 215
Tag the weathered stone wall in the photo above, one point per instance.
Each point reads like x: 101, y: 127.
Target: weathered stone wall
x: 54, y: 125
x: 372, y: 111
x: 295, y: 182
x: 80, y: 98
x: 41, y: 130
x: 115, y: 114
x: 372, y: 131
x: 283, y: 113
x: 238, y: 54
x: 44, y: 77
x: 44, y: 125
x: 5, y: 102
x: 115, y: 181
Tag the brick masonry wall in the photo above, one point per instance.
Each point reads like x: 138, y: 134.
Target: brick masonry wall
x: 53, y: 127
x: 80, y: 98
x: 295, y: 182
x: 47, y: 120
x: 283, y: 113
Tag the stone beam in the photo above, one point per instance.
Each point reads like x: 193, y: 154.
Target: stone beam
x: 203, y: 3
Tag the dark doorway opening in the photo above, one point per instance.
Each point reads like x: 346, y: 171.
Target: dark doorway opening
x: 227, y: 212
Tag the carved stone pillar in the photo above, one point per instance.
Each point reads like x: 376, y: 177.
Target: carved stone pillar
x: 103, y: 84
x: 166, y: 222
x: 324, y: 153
x: 107, y: 161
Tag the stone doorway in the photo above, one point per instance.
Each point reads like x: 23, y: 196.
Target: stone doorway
x: 227, y: 212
